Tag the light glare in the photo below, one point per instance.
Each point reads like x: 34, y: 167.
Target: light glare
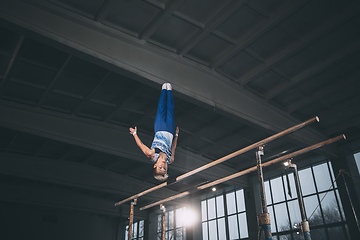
x: 187, y: 217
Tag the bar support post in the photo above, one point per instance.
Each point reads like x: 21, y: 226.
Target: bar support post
x: 264, y: 217
x: 162, y: 207
x: 304, y: 225
x: 131, y: 218
x: 342, y: 172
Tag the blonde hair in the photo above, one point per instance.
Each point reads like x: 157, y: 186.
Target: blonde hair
x: 160, y: 177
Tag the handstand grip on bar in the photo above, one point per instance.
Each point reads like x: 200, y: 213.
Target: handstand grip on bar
x: 223, y: 159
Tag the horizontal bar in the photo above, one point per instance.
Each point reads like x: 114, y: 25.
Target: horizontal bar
x: 227, y: 157
x: 230, y: 177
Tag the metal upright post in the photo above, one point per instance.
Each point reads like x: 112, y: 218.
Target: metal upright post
x: 304, y: 225
x: 342, y: 172
x: 264, y: 217
x: 131, y: 218
x: 162, y: 207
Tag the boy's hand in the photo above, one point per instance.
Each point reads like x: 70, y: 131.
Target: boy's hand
x: 133, y: 130
x: 177, y: 130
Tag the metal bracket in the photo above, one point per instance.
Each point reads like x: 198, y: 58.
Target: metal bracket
x: 261, y: 150
x: 304, y: 226
x: 263, y: 219
x: 162, y: 207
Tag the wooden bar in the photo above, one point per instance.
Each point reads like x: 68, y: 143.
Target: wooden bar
x: 230, y: 177
x: 223, y: 159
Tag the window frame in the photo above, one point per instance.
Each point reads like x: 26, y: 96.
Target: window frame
x: 225, y: 215
x: 357, y: 163
x: 137, y: 230
x: 174, y: 223
x: 326, y: 226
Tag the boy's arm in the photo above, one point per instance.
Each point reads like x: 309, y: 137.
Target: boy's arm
x: 173, y: 145
x: 142, y: 146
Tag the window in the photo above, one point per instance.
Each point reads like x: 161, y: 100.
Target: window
x: 174, y: 225
x: 224, y: 215
x: 325, y: 219
x: 357, y: 160
x: 137, y: 231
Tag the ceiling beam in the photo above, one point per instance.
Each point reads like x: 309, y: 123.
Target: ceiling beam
x: 88, y: 97
x: 42, y: 195
x: 134, y: 59
x: 51, y: 85
x: 151, y: 112
x: 342, y: 125
x: 314, y: 35
x: 156, y: 3
x: 93, y: 156
x: 43, y: 145
x: 236, y: 136
x: 67, y: 153
x: 11, y: 142
x: 97, y: 136
x: 124, y: 102
x: 211, y: 25
x: 340, y: 55
x: 188, y: 19
x: 105, y: 10
x: 75, y: 175
x: 156, y: 23
x: 338, y: 109
x: 189, y: 115
x: 250, y: 37
x: 10, y: 65
x: 329, y: 89
x: 204, y: 129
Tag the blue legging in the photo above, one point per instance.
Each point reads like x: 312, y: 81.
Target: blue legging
x: 164, y: 120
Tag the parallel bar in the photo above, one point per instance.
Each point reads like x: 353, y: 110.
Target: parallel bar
x: 269, y: 163
x: 223, y: 159
x: 246, y: 149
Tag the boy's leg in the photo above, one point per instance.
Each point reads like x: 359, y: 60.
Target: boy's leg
x: 161, y: 112
x: 170, y: 120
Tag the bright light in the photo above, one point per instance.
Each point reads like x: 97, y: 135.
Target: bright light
x: 186, y: 217
x: 213, y: 189
x: 286, y: 163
